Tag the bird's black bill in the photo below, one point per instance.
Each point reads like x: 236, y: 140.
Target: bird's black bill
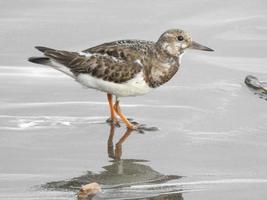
x: 195, y: 45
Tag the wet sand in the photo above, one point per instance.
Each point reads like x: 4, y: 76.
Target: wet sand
x: 212, y: 138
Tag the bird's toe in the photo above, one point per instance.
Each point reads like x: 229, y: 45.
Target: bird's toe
x: 142, y: 128
x: 113, y: 121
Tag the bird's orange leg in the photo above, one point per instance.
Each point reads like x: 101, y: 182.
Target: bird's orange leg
x: 122, y: 116
x: 113, y: 119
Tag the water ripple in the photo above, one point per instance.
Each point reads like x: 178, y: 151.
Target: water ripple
x: 39, y: 122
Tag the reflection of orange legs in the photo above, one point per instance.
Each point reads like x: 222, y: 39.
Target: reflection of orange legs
x: 110, y: 142
x: 122, y: 116
x: 112, y: 118
x: 118, y: 148
x: 116, y: 155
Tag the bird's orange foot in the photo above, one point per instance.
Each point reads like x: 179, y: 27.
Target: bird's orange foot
x: 113, y: 121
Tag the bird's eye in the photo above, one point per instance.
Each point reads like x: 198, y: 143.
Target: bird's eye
x: 180, y: 38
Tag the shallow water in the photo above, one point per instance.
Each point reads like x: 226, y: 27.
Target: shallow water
x: 212, y: 138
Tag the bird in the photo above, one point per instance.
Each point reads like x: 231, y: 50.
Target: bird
x: 123, y: 68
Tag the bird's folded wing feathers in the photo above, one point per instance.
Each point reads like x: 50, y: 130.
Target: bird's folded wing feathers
x: 100, y: 66
x: 128, y: 50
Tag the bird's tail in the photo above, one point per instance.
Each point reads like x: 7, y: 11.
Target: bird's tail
x: 62, y: 57
x: 41, y: 60
x: 55, y: 58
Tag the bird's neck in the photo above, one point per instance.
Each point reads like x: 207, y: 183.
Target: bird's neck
x: 162, y: 69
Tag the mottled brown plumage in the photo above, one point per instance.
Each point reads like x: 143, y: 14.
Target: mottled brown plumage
x: 119, y: 62
x: 101, y: 66
x: 124, y: 67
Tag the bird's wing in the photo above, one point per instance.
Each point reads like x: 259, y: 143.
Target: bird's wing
x: 128, y: 50
x: 105, y: 67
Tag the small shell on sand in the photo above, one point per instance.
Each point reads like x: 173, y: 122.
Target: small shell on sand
x: 88, y: 191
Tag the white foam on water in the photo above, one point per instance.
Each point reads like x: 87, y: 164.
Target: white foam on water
x: 24, y: 125
x: 41, y: 122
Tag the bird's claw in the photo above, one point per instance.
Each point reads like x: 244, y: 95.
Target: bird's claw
x: 130, y: 119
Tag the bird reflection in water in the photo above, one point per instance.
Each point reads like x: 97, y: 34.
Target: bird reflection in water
x: 117, y: 178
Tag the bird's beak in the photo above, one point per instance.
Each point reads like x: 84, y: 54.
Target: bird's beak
x: 195, y: 45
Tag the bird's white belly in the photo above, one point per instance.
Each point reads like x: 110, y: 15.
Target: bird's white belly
x: 134, y: 87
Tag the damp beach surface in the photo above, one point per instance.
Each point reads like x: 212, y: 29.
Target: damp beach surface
x: 212, y: 141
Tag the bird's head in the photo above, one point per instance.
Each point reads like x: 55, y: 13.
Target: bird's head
x: 175, y: 41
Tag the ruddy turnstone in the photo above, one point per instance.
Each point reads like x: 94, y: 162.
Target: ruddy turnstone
x: 123, y: 68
